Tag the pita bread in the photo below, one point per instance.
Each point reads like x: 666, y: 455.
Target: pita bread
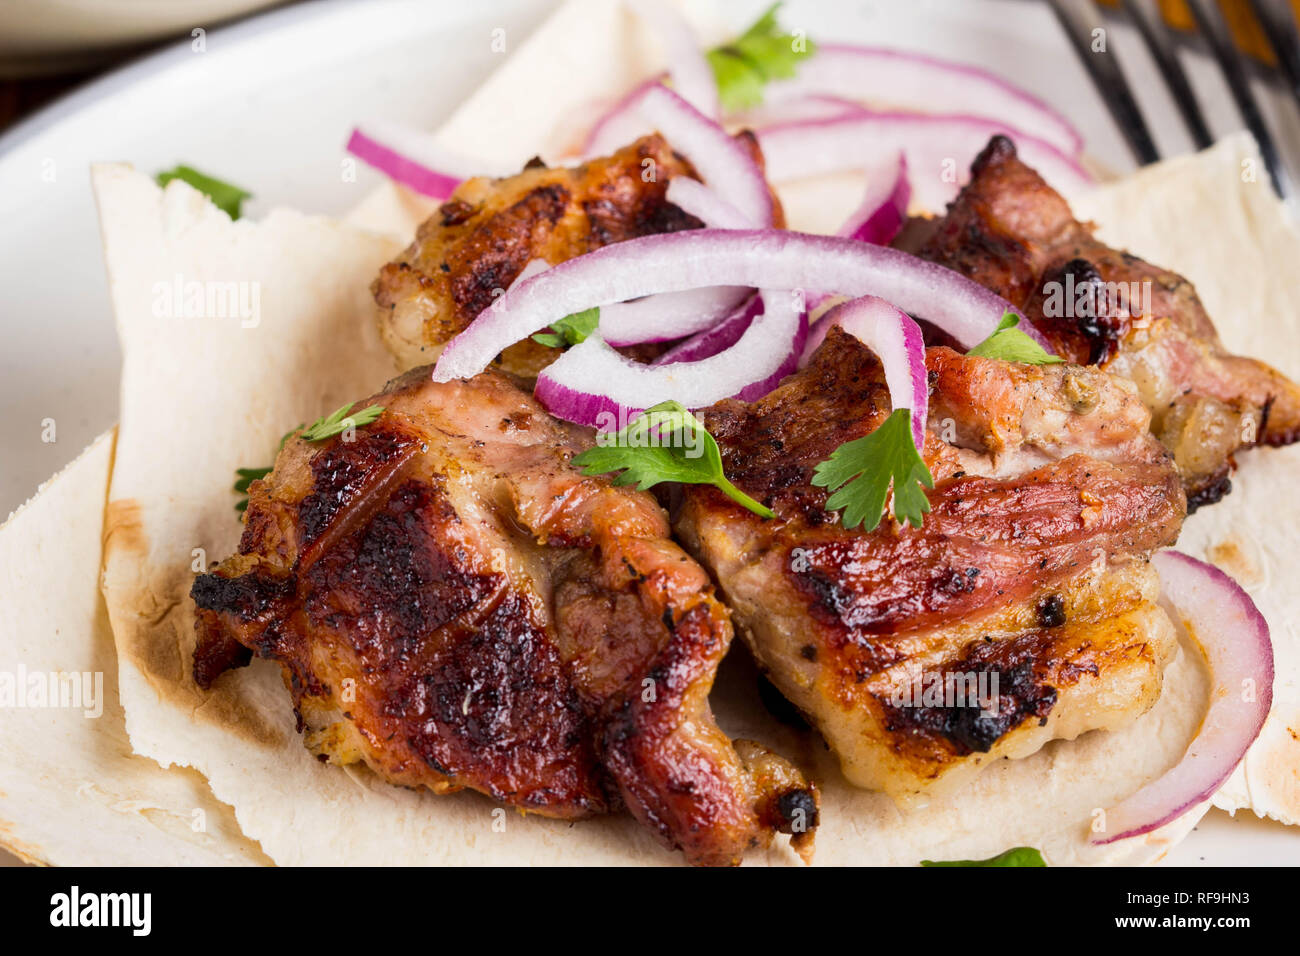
x: 1240, y: 248
x: 316, y: 348
x: 59, y: 765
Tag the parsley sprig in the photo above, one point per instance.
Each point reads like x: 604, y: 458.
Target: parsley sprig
x: 319, y: 430
x: 664, y: 443
x: 743, y: 67
x: 864, y: 469
x: 570, y: 330
x: 1016, y: 856
x: 224, y: 196
x: 1011, y: 345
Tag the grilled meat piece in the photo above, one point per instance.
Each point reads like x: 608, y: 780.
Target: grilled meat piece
x: 1009, y: 231
x: 457, y: 606
x: 478, y: 242
x: 1029, y: 584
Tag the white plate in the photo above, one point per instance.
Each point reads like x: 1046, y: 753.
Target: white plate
x: 269, y: 104
x: 48, y: 36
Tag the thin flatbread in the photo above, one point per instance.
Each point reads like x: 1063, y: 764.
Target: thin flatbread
x: 170, y: 494
x: 72, y: 792
x: 1240, y: 248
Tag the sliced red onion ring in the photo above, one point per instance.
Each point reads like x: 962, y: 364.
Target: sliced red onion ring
x: 722, y: 336
x: 413, y: 159
x: 676, y: 315
x: 669, y: 315
x: 699, y: 258
x: 693, y: 197
x: 591, y: 384
x: 687, y: 66
x: 531, y: 268
x: 897, y: 342
x: 939, y: 151
x: 724, y: 164
x: 884, y: 206
x: 1234, y: 637
x: 794, y: 109
x: 620, y: 124
x: 915, y: 81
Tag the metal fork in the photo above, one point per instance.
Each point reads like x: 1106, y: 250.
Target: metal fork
x: 1081, y: 18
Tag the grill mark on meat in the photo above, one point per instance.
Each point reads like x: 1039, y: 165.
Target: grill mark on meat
x: 390, y: 585
x: 971, y: 523
x: 663, y: 785
x: 493, y: 706
x: 457, y: 606
x: 1021, y: 695
x: 1043, y: 512
x: 346, y: 471
x: 484, y: 269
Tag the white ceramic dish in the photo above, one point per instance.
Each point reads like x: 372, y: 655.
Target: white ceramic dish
x: 47, y: 36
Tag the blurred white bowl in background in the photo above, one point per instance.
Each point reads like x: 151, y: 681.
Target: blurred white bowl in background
x: 47, y: 36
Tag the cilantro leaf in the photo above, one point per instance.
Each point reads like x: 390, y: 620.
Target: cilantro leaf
x: 664, y: 443
x: 740, y: 83
x: 224, y: 196
x: 743, y: 67
x: 1011, y: 345
x: 570, y: 330
x: 340, y: 421
x: 1017, y: 856
x: 863, y: 469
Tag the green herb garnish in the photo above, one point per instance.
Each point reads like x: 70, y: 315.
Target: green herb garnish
x: 224, y: 196
x: 743, y: 67
x: 664, y: 443
x: 1018, y: 856
x: 1011, y: 345
x: 570, y: 330
x: 863, y: 469
x: 339, y: 422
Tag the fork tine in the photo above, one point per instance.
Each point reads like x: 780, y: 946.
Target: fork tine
x: 1155, y: 33
x: 1209, y: 21
x: 1079, y: 18
x: 1280, y: 28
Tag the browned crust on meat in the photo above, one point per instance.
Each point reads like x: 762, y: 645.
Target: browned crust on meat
x: 455, y: 605
x: 1002, y: 577
x: 478, y: 242
x: 1009, y: 231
